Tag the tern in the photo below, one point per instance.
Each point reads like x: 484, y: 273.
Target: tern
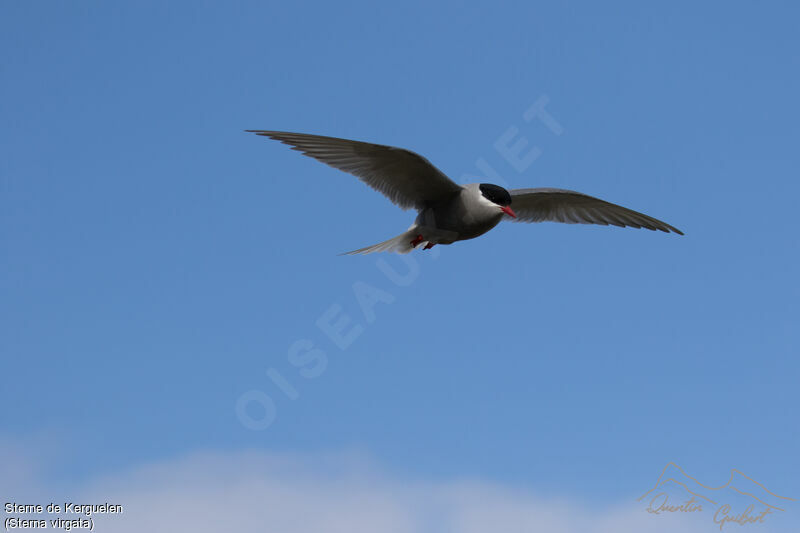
x: 449, y: 212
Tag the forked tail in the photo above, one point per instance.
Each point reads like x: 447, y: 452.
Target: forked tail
x: 400, y: 244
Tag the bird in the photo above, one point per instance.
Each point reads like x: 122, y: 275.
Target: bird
x: 446, y: 211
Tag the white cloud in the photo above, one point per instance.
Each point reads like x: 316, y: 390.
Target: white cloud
x: 339, y: 493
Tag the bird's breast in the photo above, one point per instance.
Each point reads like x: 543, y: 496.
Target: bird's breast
x: 462, y: 216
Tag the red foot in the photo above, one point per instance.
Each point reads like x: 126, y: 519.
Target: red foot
x: 418, y: 239
x: 429, y: 246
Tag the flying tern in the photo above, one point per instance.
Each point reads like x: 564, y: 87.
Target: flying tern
x: 449, y: 212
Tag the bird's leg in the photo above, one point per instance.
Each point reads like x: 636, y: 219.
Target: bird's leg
x: 429, y: 246
x: 418, y: 239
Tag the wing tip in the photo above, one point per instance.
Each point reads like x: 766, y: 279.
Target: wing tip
x: 666, y: 228
x: 671, y: 229
x: 263, y: 133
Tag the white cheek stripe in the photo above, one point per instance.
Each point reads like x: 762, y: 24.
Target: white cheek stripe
x: 486, y: 201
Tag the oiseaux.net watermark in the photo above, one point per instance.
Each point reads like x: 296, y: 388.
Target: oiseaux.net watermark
x: 256, y: 409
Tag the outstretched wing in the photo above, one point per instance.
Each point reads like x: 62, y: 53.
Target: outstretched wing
x: 407, y: 179
x: 570, y: 207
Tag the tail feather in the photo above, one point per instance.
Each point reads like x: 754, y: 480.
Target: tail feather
x: 400, y: 244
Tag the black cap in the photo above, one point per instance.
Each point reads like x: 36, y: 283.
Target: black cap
x: 495, y: 193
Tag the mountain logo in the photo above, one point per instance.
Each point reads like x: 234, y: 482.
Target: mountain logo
x: 741, y: 500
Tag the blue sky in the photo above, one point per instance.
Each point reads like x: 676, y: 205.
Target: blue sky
x: 156, y: 261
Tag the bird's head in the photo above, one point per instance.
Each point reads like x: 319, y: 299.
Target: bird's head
x: 498, y: 196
